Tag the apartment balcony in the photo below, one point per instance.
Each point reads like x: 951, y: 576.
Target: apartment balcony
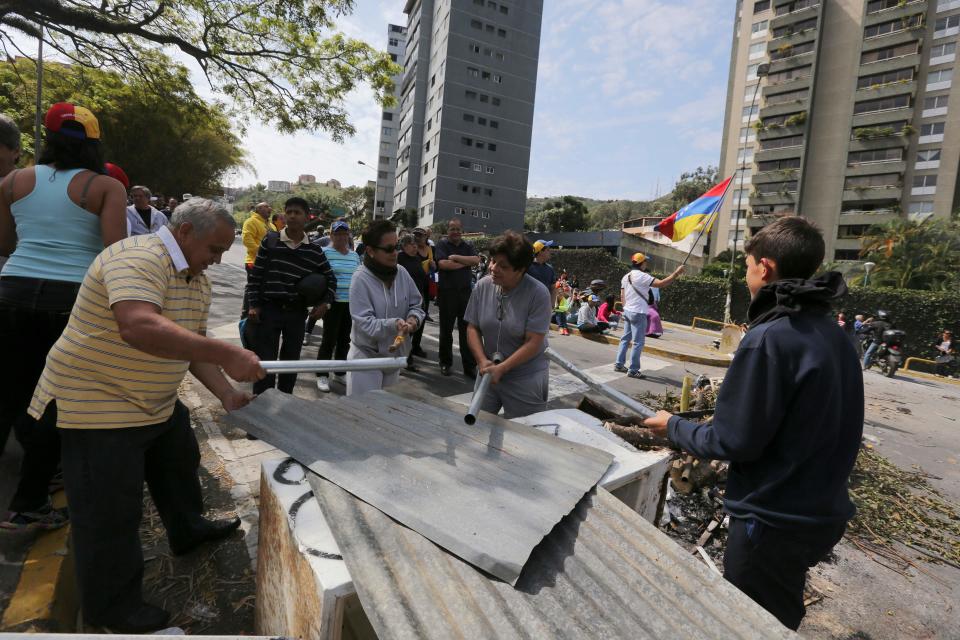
x: 902, y: 11
x: 902, y: 36
x: 891, y: 64
x: 886, y: 90
x: 801, y: 60
x: 780, y: 131
x: 778, y: 154
x: 879, y: 142
x: 847, y: 243
x: 881, y: 118
x: 781, y: 197
x: 873, y: 194
x: 875, y: 216
x: 779, y: 175
x: 874, y: 168
x: 795, y: 38
x: 785, y: 108
x: 790, y: 85
x: 798, y: 15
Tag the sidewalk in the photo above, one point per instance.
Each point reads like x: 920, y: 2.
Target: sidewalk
x: 678, y: 342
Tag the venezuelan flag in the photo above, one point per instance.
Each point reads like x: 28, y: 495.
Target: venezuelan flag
x: 696, y: 215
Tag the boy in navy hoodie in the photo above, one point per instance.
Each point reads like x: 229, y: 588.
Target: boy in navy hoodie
x: 789, y: 418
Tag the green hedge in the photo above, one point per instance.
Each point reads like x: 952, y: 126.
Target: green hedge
x: 922, y: 314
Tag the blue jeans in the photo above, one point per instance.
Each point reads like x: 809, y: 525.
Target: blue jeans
x: 560, y: 319
x: 868, y: 356
x: 635, y: 329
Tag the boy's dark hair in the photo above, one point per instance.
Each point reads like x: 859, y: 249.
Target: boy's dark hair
x: 373, y: 234
x: 794, y: 243
x: 296, y: 201
x: 515, y: 248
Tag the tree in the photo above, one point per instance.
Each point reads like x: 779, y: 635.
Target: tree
x: 168, y: 139
x: 720, y: 264
x: 914, y: 255
x: 611, y: 215
x: 280, y: 61
x: 692, y: 185
x: 566, y: 214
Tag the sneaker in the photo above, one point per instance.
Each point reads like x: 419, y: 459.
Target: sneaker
x: 428, y: 319
x: 323, y: 384
x: 619, y: 368
x: 636, y: 375
x: 46, y: 518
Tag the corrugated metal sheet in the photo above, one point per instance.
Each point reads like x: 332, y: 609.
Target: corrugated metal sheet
x: 488, y: 493
x: 603, y: 572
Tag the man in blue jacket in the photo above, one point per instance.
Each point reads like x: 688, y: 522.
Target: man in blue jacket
x: 789, y: 418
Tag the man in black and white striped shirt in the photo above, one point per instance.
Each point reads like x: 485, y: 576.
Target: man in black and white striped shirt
x: 277, y: 310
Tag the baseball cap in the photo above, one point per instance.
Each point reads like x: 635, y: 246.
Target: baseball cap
x: 638, y: 258
x: 117, y: 173
x: 62, y: 112
x: 339, y: 225
x: 540, y: 245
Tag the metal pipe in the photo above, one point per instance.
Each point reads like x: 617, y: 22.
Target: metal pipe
x: 479, y: 393
x: 617, y: 396
x: 327, y: 366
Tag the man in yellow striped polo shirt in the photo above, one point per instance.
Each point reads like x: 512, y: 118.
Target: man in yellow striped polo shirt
x: 111, y: 380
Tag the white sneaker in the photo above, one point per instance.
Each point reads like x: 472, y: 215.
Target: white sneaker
x: 323, y: 384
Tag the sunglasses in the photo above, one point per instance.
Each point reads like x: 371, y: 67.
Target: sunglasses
x: 390, y: 249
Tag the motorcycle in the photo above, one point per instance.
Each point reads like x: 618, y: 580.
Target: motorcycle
x: 889, y: 355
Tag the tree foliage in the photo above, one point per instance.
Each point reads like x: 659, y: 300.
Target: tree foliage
x: 169, y: 139
x: 281, y: 61
x: 692, y: 185
x: 564, y: 214
x: 914, y: 255
x: 611, y: 215
x: 720, y: 265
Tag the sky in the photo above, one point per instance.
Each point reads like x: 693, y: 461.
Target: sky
x: 630, y: 94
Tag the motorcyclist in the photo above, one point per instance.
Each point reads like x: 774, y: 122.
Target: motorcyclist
x: 874, y: 329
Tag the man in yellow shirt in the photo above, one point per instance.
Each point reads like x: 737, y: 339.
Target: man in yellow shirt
x: 110, y: 383
x: 255, y: 229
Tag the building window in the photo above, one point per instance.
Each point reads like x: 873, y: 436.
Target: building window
x: 928, y: 155
x: 495, y: 102
x: 757, y: 50
x: 468, y: 117
x: 502, y: 33
x: 790, y: 51
x: 387, y: 115
x: 758, y: 29
x: 787, y: 75
x: 948, y: 26
x: 494, y: 124
x: 882, y: 104
x: 468, y: 142
x: 471, y: 95
x: 477, y: 166
x: 932, y: 129
x: 464, y: 164
x: 935, y: 105
x: 491, y: 170
x: 939, y: 79
x: 481, y: 121
x: 940, y: 53
x: 749, y: 112
x: 476, y: 24
x: 925, y: 180
x: 921, y: 208
x: 504, y: 10
x: 796, y: 27
x: 846, y: 254
x: 387, y: 131
x: 475, y: 48
x: 497, y: 78
x: 459, y: 211
x: 891, y: 26
x: 781, y: 143
x: 875, y: 155
x: 491, y: 146
x: 488, y: 192
x: 879, y: 180
x: 752, y: 72
x: 782, y: 164
x: 887, y: 53
x: 473, y: 72
x: 878, y: 80
x: 759, y: 7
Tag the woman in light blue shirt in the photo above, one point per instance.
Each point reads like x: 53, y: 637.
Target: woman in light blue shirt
x: 55, y: 218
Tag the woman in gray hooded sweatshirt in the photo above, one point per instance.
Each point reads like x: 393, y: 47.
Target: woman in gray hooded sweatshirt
x: 384, y: 304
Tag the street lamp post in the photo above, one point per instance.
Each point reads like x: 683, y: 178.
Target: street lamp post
x: 38, y: 116
x: 762, y: 71
x: 867, y: 268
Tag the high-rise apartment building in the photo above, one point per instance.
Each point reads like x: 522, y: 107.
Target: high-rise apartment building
x: 466, y: 111
x: 853, y: 123
x: 387, y: 161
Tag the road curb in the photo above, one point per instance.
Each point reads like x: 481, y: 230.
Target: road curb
x: 45, y: 599
x: 654, y: 350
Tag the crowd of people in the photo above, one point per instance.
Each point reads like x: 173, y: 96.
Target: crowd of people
x: 105, y: 318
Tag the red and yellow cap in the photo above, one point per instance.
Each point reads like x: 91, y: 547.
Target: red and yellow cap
x: 638, y: 258
x: 63, y: 112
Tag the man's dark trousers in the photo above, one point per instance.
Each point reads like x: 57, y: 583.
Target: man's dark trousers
x: 278, y: 334
x: 336, y: 333
x: 104, y: 471
x: 248, y: 268
x: 418, y: 334
x: 770, y: 564
x: 453, y: 304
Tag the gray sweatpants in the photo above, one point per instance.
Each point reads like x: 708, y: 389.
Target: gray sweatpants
x: 518, y: 397
x: 362, y: 381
